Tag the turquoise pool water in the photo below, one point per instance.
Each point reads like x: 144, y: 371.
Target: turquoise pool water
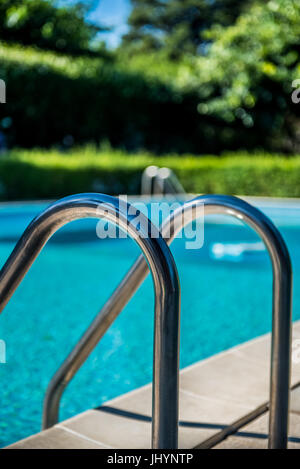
x: 226, y: 299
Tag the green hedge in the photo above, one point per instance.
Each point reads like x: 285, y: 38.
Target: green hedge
x: 52, y: 99
x: 49, y: 174
x: 134, y: 103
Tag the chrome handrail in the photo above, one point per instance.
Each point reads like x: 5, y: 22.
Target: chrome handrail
x: 281, y: 316
x: 147, y: 179
x: 160, y: 181
x: 166, y: 286
x: 167, y: 183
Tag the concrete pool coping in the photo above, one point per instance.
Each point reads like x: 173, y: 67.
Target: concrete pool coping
x: 223, y: 404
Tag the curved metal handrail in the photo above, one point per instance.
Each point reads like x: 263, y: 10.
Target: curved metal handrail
x: 147, y: 179
x: 166, y: 286
x: 167, y: 183
x: 160, y: 181
x: 281, y: 316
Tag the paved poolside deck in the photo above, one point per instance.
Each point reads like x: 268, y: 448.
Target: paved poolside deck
x: 223, y: 404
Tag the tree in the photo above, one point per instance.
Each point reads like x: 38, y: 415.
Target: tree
x: 45, y: 24
x: 246, y: 78
x: 177, y: 25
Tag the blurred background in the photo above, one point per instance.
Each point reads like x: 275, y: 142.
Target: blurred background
x: 152, y: 76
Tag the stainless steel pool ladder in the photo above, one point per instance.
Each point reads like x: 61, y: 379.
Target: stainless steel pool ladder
x: 166, y: 286
x: 281, y: 309
x: 160, y: 181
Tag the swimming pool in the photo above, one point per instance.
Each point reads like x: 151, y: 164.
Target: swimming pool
x: 226, y: 299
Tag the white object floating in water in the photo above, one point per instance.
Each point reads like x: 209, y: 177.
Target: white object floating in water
x: 235, y: 252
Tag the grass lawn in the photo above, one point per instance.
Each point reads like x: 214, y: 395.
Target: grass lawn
x: 38, y: 174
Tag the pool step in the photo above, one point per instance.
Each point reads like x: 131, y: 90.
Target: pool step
x: 219, y: 396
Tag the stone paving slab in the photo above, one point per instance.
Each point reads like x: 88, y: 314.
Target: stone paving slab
x: 240, y: 374
x: 255, y: 434
x: 127, y: 423
x: 56, y: 438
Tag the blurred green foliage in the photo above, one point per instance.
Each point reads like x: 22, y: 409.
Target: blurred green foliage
x: 48, y: 25
x: 40, y: 174
x: 177, y: 26
x: 233, y: 94
x: 246, y: 77
x: 52, y: 99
